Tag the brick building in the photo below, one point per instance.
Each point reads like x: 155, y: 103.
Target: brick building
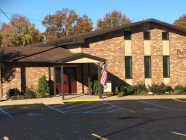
x: 148, y: 51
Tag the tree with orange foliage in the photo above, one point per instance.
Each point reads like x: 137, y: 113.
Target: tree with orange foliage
x: 65, y: 23
x: 19, y: 32
x: 181, y: 22
x: 115, y: 18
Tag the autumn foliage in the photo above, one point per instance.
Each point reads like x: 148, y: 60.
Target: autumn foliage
x: 181, y: 22
x: 19, y: 32
x: 115, y: 18
x: 65, y: 23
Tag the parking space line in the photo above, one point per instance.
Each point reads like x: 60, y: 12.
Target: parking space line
x: 103, y: 109
x: 99, y: 137
x: 118, y: 106
x: 178, y: 100
x: 78, y: 105
x: 179, y: 134
x: 93, y: 110
x: 55, y: 109
x: 82, y: 100
x: 6, y: 113
x: 159, y: 105
x: 83, y: 108
x: 5, y: 138
x: 64, y: 104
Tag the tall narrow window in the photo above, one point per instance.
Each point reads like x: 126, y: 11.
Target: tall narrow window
x: 166, y: 67
x: 127, y: 35
x: 128, y: 67
x: 147, y: 60
x: 146, y: 35
x: 165, y: 35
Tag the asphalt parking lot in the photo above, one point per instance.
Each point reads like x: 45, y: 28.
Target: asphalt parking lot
x: 129, y: 119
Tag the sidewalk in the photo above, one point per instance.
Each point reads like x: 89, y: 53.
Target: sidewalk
x: 81, y: 97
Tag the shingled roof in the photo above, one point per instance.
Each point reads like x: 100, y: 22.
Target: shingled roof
x: 79, y: 38
x: 38, y: 54
x: 43, y: 55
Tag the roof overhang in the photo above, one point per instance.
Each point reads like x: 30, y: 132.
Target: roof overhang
x: 76, y: 58
x: 81, y: 58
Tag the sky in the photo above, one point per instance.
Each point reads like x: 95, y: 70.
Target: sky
x: 136, y: 10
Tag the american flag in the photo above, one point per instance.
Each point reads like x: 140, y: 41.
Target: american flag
x: 103, y: 80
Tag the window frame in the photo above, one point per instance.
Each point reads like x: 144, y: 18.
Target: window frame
x: 126, y: 33
x: 144, y: 32
x: 150, y: 69
x: 167, y: 36
x: 126, y: 76
x: 166, y: 56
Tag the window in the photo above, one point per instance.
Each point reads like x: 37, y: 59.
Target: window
x: 165, y: 35
x: 128, y: 67
x: 146, y: 35
x: 127, y: 35
x: 166, y: 67
x: 147, y: 60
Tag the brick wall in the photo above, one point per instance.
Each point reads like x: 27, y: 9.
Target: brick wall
x: 111, y: 47
x: 20, y: 75
x: 137, y: 55
x: 156, y: 54
x: 177, y: 66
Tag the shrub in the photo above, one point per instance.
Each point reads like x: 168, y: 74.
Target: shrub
x: 140, y: 87
x: 121, y: 88
x: 43, y: 87
x: 20, y: 96
x: 144, y: 92
x: 131, y: 90
x: 110, y: 93
x: 28, y: 92
x: 12, y: 92
x: 13, y: 97
x: 94, y: 84
x: 160, y: 89
x: 179, y: 88
x: 121, y: 94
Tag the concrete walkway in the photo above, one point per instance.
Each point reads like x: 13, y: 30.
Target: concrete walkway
x: 81, y: 97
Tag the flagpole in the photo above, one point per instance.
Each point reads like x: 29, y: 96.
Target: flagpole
x: 99, y: 78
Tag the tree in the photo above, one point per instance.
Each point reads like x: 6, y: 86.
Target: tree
x: 19, y: 32
x: 115, y: 18
x: 65, y: 23
x: 181, y: 22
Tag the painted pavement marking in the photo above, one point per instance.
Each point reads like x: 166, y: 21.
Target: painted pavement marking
x: 150, y: 109
x: 179, y: 100
x: 5, y: 138
x: 82, y: 100
x: 99, y: 137
x: 105, y: 107
x: 32, y: 114
x: 179, y: 134
x: 2, y: 112
x: 159, y: 105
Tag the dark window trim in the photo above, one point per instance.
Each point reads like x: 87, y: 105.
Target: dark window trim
x: 169, y: 66
x: 166, y: 38
x: 144, y: 35
x: 125, y: 36
x: 131, y: 69
x: 150, y: 66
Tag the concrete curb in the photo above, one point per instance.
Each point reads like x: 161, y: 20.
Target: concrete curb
x: 87, y: 98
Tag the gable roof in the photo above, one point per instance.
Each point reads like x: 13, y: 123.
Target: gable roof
x: 37, y: 54
x: 79, y: 38
x: 43, y: 55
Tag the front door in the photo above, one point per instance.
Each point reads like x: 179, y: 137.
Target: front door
x: 70, y: 80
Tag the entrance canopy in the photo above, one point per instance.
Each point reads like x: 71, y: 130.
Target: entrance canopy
x: 80, y: 58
